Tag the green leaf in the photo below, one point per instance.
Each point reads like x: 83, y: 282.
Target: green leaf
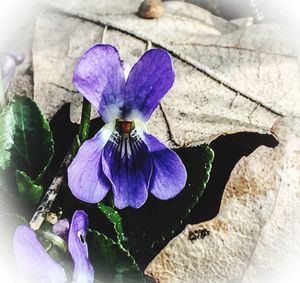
x: 114, y: 217
x: 27, y: 188
x: 149, y: 228
x: 26, y: 139
x: 110, y: 260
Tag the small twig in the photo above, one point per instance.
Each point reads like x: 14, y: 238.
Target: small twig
x: 43, y: 209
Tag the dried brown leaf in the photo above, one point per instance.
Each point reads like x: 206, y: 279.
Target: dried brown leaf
x: 255, y: 236
x: 227, y: 79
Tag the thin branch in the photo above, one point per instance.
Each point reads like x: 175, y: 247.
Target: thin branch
x: 43, y: 209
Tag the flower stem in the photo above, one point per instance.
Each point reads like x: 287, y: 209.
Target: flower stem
x: 85, y: 121
x: 52, y: 191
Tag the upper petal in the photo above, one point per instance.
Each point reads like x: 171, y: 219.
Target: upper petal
x: 126, y: 162
x: 33, y: 261
x: 99, y: 77
x: 149, y: 80
x: 85, y: 175
x: 169, y: 174
x: 83, y: 270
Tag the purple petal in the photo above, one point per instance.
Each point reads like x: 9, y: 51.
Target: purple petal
x: 100, y: 79
x: 18, y: 57
x: 33, y: 261
x: 85, y: 175
x: 149, y: 80
x: 7, y: 70
x: 8, y: 64
x: 169, y: 174
x: 83, y: 270
x: 126, y: 162
x: 61, y: 228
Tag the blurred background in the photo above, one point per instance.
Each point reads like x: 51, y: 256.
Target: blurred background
x: 17, y: 17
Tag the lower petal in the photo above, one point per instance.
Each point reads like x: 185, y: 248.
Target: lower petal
x: 85, y: 175
x: 169, y: 174
x: 33, y: 261
x: 127, y: 164
x: 83, y: 270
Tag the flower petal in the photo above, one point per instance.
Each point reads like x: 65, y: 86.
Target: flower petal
x: 33, y: 261
x: 99, y: 77
x: 127, y: 164
x: 169, y: 174
x: 8, y: 63
x: 85, y: 175
x: 149, y: 80
x: 8, y: 68
x: 83, y: 270
x: 61, y: 228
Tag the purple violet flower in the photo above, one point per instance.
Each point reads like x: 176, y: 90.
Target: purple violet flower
x: 8, y: 65
x: 123, y: 155
x: 36, y: 265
